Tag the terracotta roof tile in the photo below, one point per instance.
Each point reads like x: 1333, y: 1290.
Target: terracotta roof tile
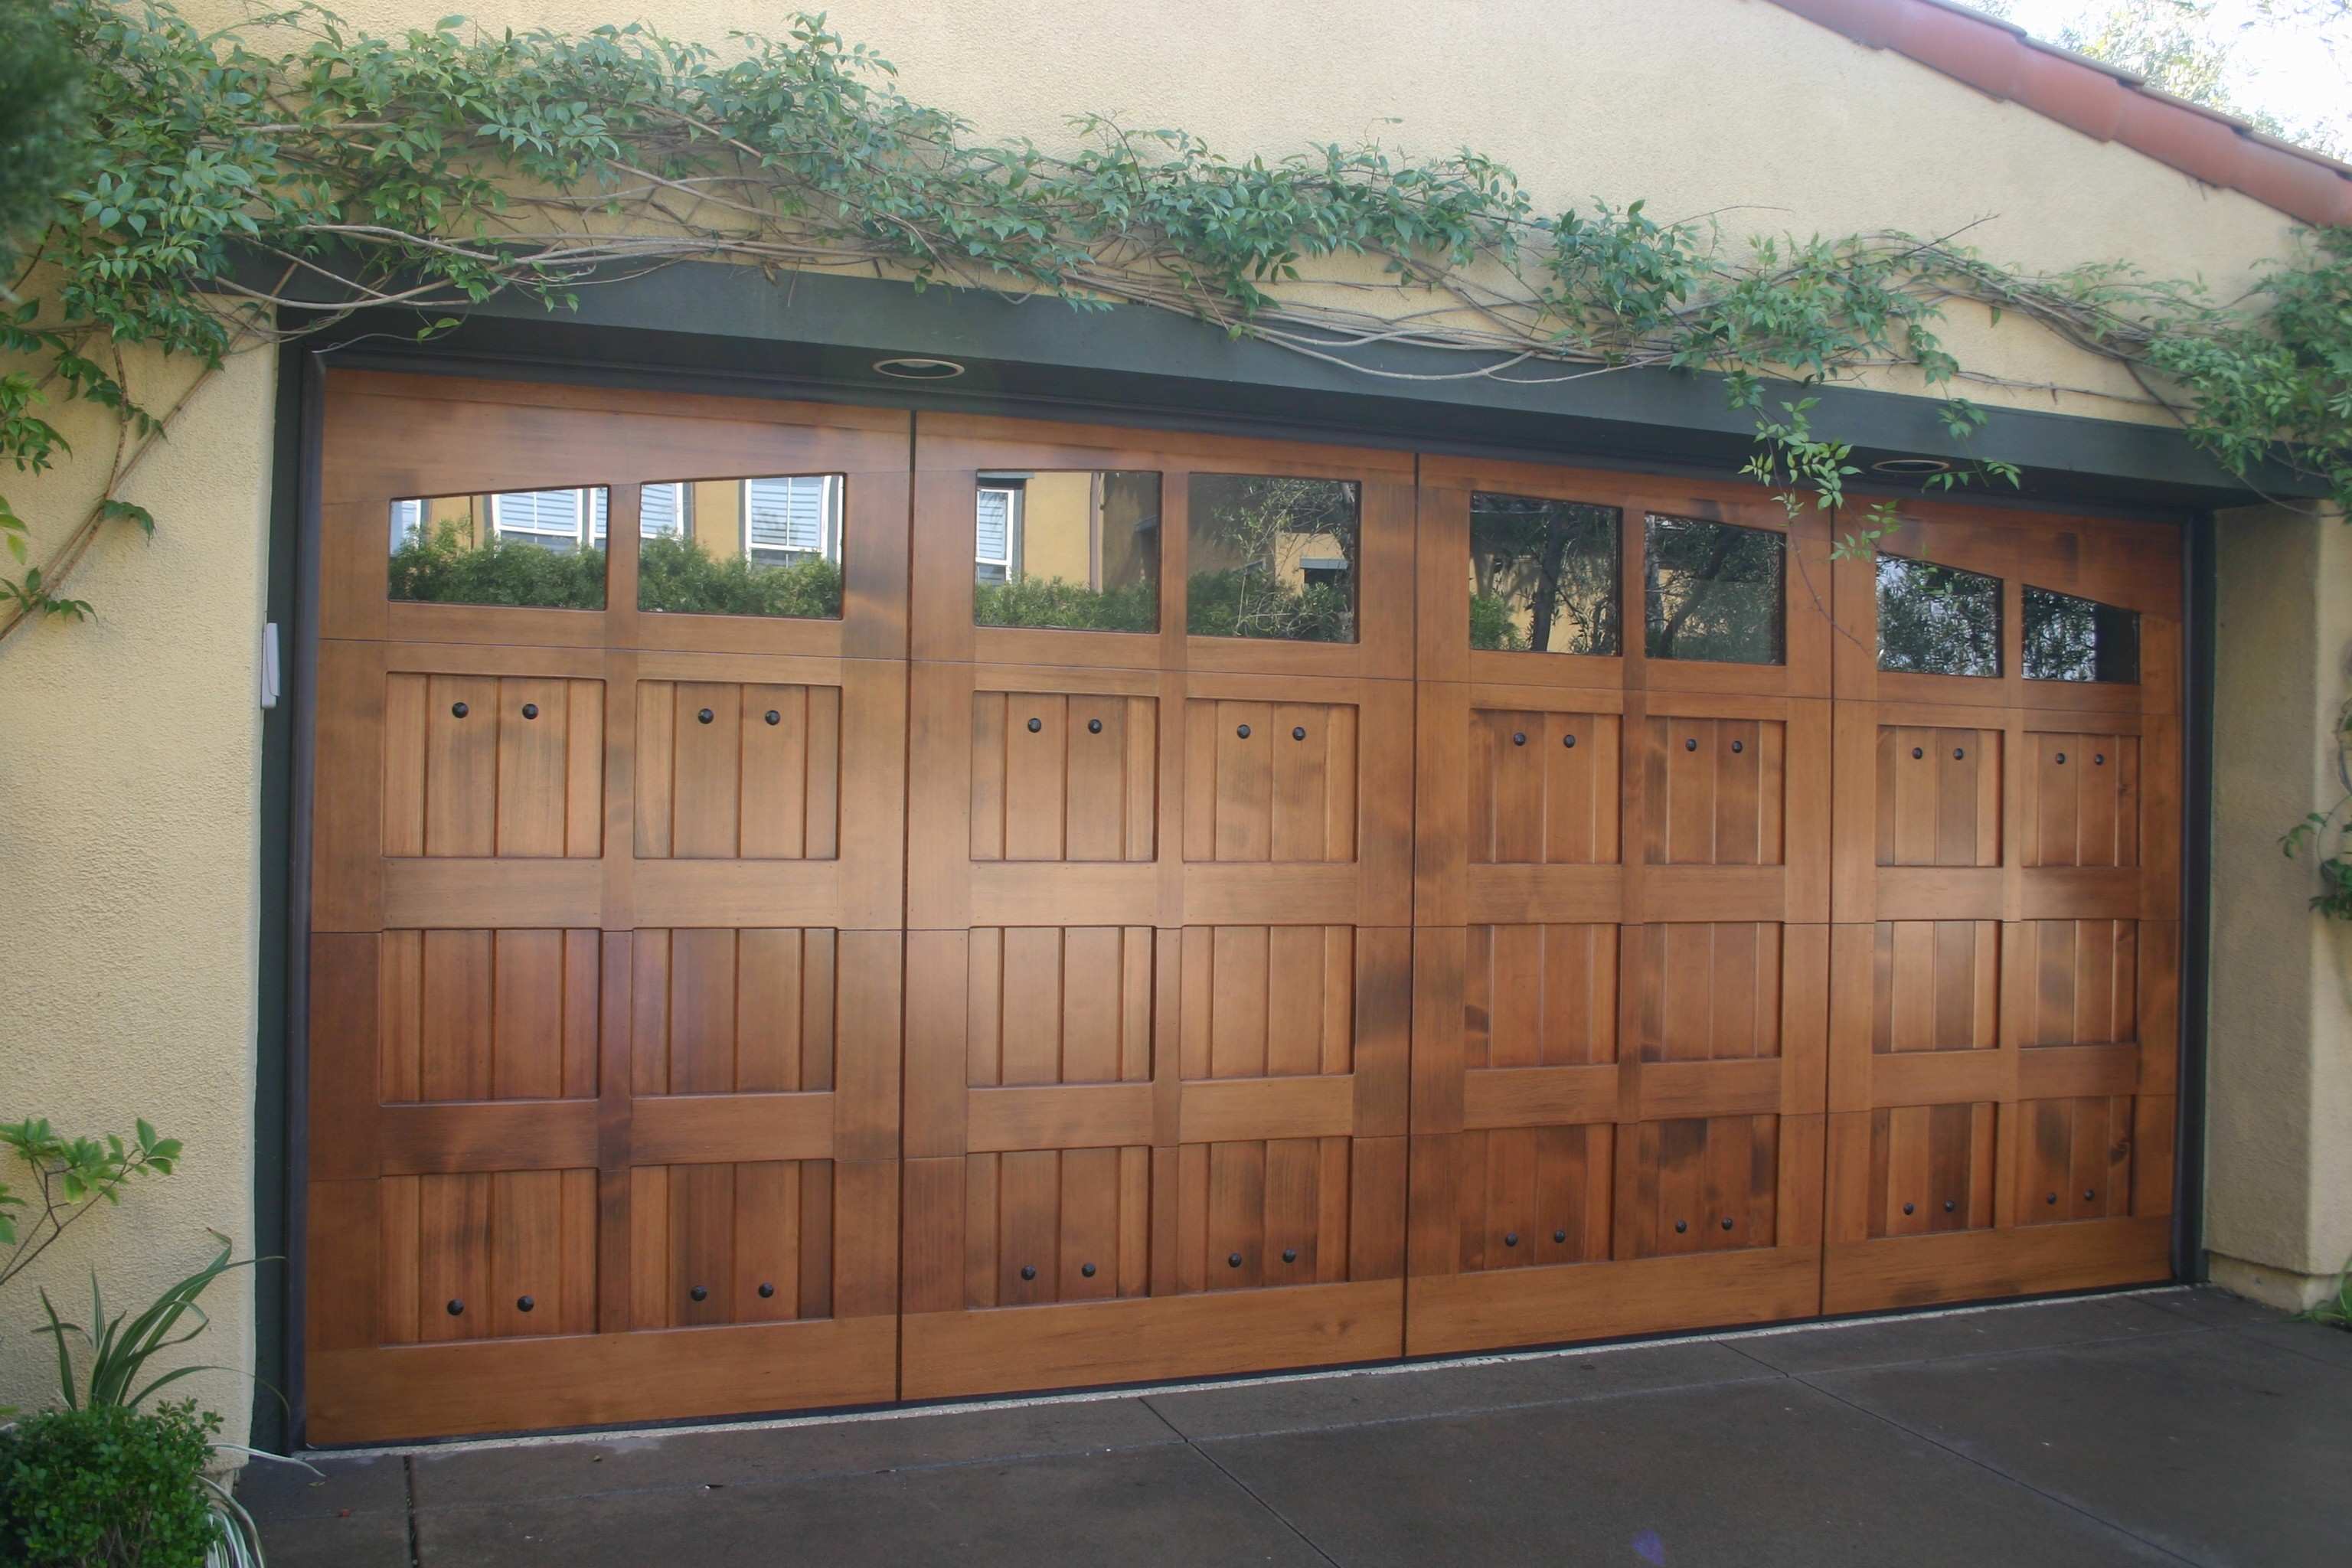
x: 2096, y: 99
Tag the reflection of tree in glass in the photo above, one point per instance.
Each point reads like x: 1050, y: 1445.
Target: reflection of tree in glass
x: 1713, y: 591
x: 1543, y: 574
x: 1252, y: 541
x: 1937, y: 620
x: 2067, y: 638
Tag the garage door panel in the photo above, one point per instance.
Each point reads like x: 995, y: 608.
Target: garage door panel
x: 606, y: 959
x: 1160, y: 896
x: 1235, y: 1128
x: 2045, y: 1017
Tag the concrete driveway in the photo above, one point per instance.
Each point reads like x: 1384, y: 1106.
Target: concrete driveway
x: 2167, y: 1426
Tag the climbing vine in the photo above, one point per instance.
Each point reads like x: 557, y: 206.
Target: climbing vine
x: 212, y: 191
x: 2328, y: 834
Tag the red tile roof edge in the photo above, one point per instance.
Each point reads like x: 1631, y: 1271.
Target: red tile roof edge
x: 2001, y: 60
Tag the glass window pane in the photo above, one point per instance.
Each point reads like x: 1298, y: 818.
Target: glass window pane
x: 1713, y: 591
x: 1937, y: 620
x: 765, y: 546
x: 1543, y: 575
x: 2067, y: 638
x: 1074, y: 551
x: 1272, y: 558
x: 537, y: 549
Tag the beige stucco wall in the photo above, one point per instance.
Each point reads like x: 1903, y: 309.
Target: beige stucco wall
x: 2279, y: 1204
x: 130, y: 766
x: 1734, y: 107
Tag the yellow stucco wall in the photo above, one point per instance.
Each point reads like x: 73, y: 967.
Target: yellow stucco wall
x: 133, y: 749
x: 131, y: 768
x: 1058, y: 527
x: 2279, y: 1186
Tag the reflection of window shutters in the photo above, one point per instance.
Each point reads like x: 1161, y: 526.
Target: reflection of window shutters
x: 659, y: 508
x: 408, y: 521
x: 789, y: 518
x: 993, y: 527
x: 545, y: 515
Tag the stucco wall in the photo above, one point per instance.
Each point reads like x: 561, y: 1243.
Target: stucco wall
x: 130, y: 766
x: 1736, y: 108
x: 2279, y: 1202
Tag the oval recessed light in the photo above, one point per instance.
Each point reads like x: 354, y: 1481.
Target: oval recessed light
x: 1900, y: 466
x: 916, y: 368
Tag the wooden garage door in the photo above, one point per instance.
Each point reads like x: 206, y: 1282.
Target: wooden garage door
x: 1158, y: 906
x: 1622, y: 893
x: 2005, y: 959
x: 791, y: 927
x: 605, y: 908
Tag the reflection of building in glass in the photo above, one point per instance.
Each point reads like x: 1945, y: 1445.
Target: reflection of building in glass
x: 784, y: 520
x: 565, y: 520
x: 1077, y: 550
x: 1272, y: 557
x: 1094, y: 530
x: 775, y: 521
x: 765, y: 546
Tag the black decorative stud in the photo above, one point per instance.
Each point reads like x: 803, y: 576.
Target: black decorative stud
x: 2062, y: 759
x: 1094, y: 726
x: 1959, y: 752
x: 1569, y: 740
x: 1949, y: 1205
x: 773, y: 717
x: 1559, y: 1236
x: 1916, y: 754
x: 1906, y: 1208
x: 1028, y: 1271
x: 1232, y: 1261
x: 2098, y: 759
x: 2051, y: 1199
x: 1290, y: 1255
x: 530, y: 710
x: 1087, y: 1269
x: 1298, y: 732
x: 524, y: 1303
x: 457, y: 1308
x: 1738, y: 747
x: 705, y: 716
x: 1726, y: 1222
x: 459, y: 709
x: 1518, y: 737
x: 1681, y: 1226
x: 1510, y: 1239
x: 766, y: 1289
x: 1035, y: 725
x: 1691, y: 745
x: 1243, y: 731
x: 699, y: 1293
x: 2090, y: 1192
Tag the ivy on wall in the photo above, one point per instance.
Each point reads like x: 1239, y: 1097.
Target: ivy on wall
x: 196, y: 182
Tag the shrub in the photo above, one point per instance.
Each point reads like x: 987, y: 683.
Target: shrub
x: 1243, y: 602
x: 442, y: 568
x: 675, y: 574
x: 1491, y: 626
x: 107, y: 1486
x: 1071, y: 606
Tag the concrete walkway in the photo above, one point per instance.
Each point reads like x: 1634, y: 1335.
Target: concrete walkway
x: 2162, y: 1427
